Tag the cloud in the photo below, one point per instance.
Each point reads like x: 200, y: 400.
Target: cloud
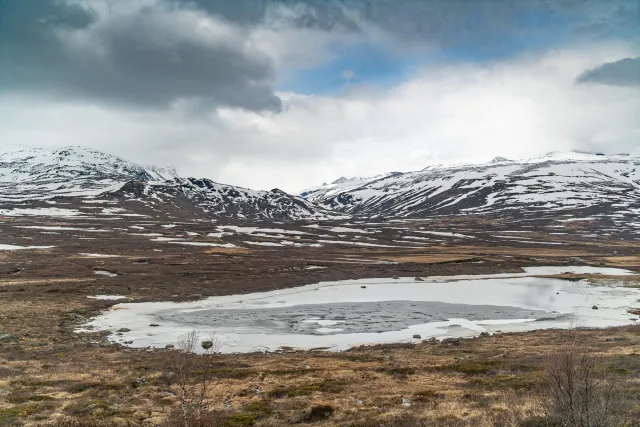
x: 624, y: 72
x: 194, y: 82
x: 145, y: 53
x: 348, y: 74
x: 517, y: 107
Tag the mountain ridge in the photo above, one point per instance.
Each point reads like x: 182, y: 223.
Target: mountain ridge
x: 29, y: 175
x: 558, y: 181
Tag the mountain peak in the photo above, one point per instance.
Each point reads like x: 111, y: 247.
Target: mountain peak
x: 340, y: 180
x: 499, y: 159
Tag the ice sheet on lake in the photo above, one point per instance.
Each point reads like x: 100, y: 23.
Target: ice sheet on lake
x: 61, y: 228
x: 380, y: 310
x: 107, y: 297
x: 577, y: 270
x: 252, y: 230
x: 262, y: 243
x: 104, y: 273
x: 5, y: 247
x: 218, y: 245
x: 58, y: 212
x: 94, y: 255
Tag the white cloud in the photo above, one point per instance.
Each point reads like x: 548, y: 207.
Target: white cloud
x: 520, y: 107
x: 347, y: 74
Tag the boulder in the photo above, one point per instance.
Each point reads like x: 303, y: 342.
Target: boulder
x: 314, y: 414
x: 417, y: 337
x: 595, y: 307
x: 451, y: 341
x: 7, y: 338
x: 121, y: 330
x: 484, y: 334
x: 206, y: 344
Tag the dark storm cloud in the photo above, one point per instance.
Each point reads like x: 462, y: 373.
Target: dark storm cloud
x: 152, y: 53
x: 625, y: 72
x: 446, y: 22
x: 148, y: 56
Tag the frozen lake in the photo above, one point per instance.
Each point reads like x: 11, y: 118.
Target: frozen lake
x: 342, y: 314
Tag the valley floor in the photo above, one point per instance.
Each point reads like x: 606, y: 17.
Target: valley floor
x: 50, y: 266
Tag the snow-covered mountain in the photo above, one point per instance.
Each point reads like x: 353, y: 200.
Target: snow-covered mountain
x: 341, y: 185
x: 78, y: 174
x: 203, y: 196
x: 36, y: 173
x: 557, y: 182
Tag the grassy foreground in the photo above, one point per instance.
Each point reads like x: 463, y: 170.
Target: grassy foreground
x: 484, y: 381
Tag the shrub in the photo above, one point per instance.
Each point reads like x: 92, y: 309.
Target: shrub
x: 579, y: 391
x: 471, y: 368
x: 316, y: 413
x: 189, y: 375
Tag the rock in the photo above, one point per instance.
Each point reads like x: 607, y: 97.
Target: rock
x: 485, y: 334
x: 363, y: 287
x: 104, y: 342
x: 7, y: 338
x: 138, y: 382
x: 169, y: 346
x: 154, y: 325
x: 595, y: 307
x: 395, y: 277
x: 206, y: 344
x: 315, y: 414
x: 405, y: 402
x: 419, y: 279
x: 451, y: 341
x: 417, y: 337
x: 121, y: 330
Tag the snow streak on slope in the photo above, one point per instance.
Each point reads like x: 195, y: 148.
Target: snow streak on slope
x: 556, y: 182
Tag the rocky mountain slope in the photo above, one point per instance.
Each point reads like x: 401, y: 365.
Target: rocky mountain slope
x: 81, y: 175
x: 340, y: 185
x: 554, y: 184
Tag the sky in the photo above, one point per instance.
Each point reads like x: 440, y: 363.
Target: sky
x: 291, y: 94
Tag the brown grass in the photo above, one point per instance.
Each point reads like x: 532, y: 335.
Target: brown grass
x: 14, y: 282
x: 426, y: 258
x: 625, y: 261
x: 456, y: 384
x: 215, y: 250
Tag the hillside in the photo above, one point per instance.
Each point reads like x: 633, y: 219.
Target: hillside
x: 82, y: 177
x: 554, y: 184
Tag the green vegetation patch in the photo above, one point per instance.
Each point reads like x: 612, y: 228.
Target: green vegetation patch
x: 327, y: 386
